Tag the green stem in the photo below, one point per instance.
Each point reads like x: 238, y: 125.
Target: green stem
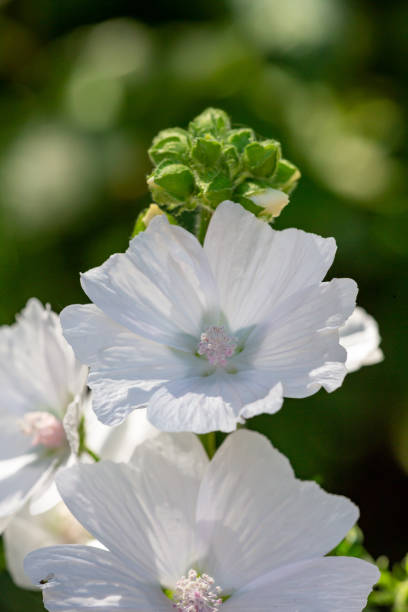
x: 203, y: 219
x: 209, y: 443
x: 89, y: 452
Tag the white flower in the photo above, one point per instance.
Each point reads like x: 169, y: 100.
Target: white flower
x: 207, y: 337
x: 43, y: 391
x: 361, y: 339
x: 27, y: 532
x: 176, y: 527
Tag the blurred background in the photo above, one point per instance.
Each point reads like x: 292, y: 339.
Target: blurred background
x: 84, y: 87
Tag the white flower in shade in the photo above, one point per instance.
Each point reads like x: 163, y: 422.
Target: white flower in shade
x: 41, y: 403
x: 361, y: 339
x: 26, y: 531
x: 209, y: 336
x: 238, y: 533
x: 43, y: 398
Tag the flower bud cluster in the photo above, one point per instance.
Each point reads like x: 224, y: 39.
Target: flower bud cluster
x: 211, y: 162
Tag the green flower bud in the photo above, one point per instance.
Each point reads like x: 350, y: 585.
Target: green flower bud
x: 261, y: 158
x: 231, y: 160
x: 210, y: 161
x: 171, y: 144
x: 206, y: 151
x: 241, y: 137
x: 218, y: 189
x: 286, y: 176
x: 171, y: 183
x: 269, y: 202
x: 212, y: 121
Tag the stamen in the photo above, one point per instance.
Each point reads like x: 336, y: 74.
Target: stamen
x: 44, y: 428
x: 216, y: 345
x: 196, y: 594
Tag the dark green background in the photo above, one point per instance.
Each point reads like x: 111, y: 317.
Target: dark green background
x: 84, y: 86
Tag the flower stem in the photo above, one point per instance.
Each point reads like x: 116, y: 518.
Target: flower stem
x: 89, y: 452
x: 209, y: 443
x: 203, y: 219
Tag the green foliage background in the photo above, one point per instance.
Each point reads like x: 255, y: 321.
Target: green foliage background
x: 84, y: 87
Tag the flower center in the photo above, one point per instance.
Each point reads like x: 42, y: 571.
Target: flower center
x: 216, y: 345
x: 44, y: 428
x: 196, y: 594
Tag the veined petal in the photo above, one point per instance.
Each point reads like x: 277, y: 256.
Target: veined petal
x: 256, y: 516
x: 256, y: 267
x: 216, y: 402
x: 338, y: 584
x: 125, y: 368
x: 161, y: 288
x: 156, y: 507
x: 300, y: 347
x: 83, y: 578
x: 38, y: 370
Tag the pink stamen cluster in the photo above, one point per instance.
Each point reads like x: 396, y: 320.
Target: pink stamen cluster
x: 44, y: 428
x: 196, y: 593
x: 216, y: 345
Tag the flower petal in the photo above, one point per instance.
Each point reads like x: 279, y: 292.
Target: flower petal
x: 125, y: 368
x: 13, y: 441
x: 83, y: 578
x: 361, y: 339
x: 257, y: 267
x: 217, y: 402
x: 338, y: 584
x: 257, y: 516
x: 21, y: 477
x: 161, y: 288
x: 300, y: 347
x: 144, y: 515
x: 38, y: 370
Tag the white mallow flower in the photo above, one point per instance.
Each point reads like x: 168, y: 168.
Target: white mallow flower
x: 44, y: 410
x: 209, y: 336
x: 26, y: 531
x: 42, y: 400
x: 361, y: 339
x: 181, y: 533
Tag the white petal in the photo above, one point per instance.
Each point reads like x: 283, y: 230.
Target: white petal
x: 161, y: 288
x: 38, y: 369
x: 361, y: 339
x: 120, y: 442
x: 21, y: 477
x: 335, y: 584
x: 46, y: 498
x: 13, y: 442
x: 83, y: 578
x: 144, y: 516
x: 209, y: 403
x: 23, y: 535
x: 257, y: 516
x: 125, y: 368
x: 300, y: 347
x: 257, y: 267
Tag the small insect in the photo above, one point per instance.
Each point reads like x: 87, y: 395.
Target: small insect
x: 46, y: 579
